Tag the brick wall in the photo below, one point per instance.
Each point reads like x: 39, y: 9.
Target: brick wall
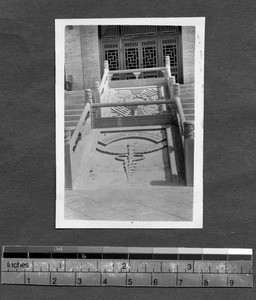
x: 73, y: 57
x: 188, y: 43
x: 90, y: 55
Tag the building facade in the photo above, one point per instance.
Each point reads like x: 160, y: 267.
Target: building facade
x: 127, y: 47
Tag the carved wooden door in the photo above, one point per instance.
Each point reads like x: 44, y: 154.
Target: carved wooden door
x: 111, y: 53
x: 140, y: 54
x: 129, y: 51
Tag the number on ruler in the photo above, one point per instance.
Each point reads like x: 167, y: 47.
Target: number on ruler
x: 105, y: 281
x: 129, y: 281
x: 231, y: 282
x: 124, y: 266
x: 180, y: 281
x: 79, y: 280
x: 28, y: 280
x: 189, y: 267
x: 155, y: 281
x: 206, y: 282
x: 54, y: 280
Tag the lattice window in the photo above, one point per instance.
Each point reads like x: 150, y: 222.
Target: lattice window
x: 132, y: 58
x: 131, y: 31
x: 171, y: 51
x: 149, y: 57
x: 112, y: 56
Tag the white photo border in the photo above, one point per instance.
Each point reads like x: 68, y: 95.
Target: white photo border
x: 199, y: 24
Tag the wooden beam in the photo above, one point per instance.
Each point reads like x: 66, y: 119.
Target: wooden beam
x: 137, y: 70
x: 131, y: 103
x: 133, y: 121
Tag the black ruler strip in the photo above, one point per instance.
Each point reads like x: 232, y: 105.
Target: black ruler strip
x: 73, y: 252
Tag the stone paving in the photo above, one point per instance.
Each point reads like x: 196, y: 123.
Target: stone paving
x: 156, y: 203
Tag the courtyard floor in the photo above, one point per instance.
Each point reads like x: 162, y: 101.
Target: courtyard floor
x: 155, y: 203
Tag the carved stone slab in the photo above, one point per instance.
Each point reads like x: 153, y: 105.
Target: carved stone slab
x: 131, y: 148
x: 141, y: 94
x: 154, y: 136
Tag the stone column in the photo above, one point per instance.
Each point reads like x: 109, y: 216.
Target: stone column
x: 189, y: 152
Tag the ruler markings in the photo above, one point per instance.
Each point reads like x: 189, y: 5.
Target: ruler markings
x: 109, y: 266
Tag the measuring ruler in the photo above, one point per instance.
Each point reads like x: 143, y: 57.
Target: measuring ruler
x: 133, y: 266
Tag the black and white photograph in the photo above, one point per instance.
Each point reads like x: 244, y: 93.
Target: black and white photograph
x: 128, y: 149
x: 129, y: 115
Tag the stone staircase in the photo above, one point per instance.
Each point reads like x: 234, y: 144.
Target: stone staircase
x: 187, y: 97
x: 74, y: 106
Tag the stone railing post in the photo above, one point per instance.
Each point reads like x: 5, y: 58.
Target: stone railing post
x: 88, y: 96
x: 189, y: 152
x: 161, y: 91
x: 176, y: 90
x: 106, y: 71
x: 106, y: 65
x: 68, y: 160
x: 88, y: 99
x: 162, y: 97
x: 69, y: 83
x: 109, y: 78
x: 168, y: 67
x: 97, y: 98
x: 171, y: 81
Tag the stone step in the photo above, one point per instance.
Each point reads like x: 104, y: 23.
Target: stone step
x: 74, y: 97
x: 187, y: 100
x: 70, y: 128
x: 188, y: 96
x: 187, y: 85
x: 72, y: 118
x: 74, y: 112
x: 190, y: 117
x: 71, y: 94
x: 74, y: 106
x: 187, y: 92
x: 74, y: 92
x: 74, y: 102
x: 187, y: 105
x: 185, y: 88
x: 188, y: 111
x: 70, y: 124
